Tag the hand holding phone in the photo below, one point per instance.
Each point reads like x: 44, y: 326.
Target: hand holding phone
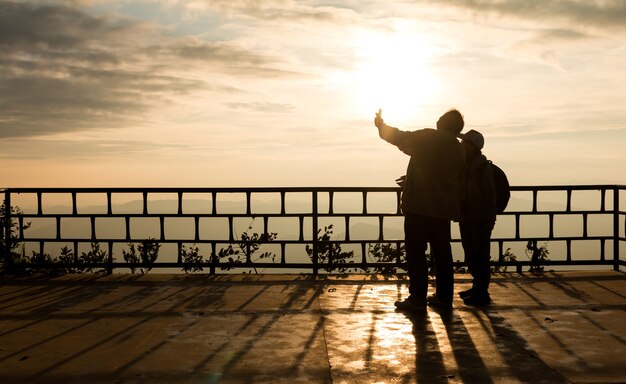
x: 378, y: 120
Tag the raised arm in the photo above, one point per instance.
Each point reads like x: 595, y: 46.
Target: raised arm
x: 386, y: 132
x: 404, y: 140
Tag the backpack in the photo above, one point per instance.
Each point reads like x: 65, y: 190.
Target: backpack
x: 503, y: 189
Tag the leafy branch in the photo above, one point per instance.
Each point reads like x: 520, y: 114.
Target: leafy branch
x: 12, y: 238
x: 507, y: 256
x: 144, y: 254
x: 94, y: 256
x: 328, y: 252
x: 192, y: 259
x: 249, y: 245
x: 538, y: 256
x: 386, y: 253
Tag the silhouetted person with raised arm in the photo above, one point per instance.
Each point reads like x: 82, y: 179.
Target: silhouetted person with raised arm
x: 430, y: 200
x: 478, y: 216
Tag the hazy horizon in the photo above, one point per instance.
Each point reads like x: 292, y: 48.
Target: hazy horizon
x: 283, y: 93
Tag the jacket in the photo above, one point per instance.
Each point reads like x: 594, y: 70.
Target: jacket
x: 433, y: 175
x: 478, y: 191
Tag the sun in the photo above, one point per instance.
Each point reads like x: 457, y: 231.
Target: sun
x: 393, y: 72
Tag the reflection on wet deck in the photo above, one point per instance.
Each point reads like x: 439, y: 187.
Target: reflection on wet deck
x: 565, y: 327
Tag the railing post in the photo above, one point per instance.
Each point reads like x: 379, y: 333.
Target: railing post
x: 6, y: 227
x: 110, y: 259
x: 314, y: 219
x: 616, y: 238
x: 214, y: 259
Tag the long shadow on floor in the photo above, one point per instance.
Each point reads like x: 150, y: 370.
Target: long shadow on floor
x: 429, y: 364
x: 456, y: 356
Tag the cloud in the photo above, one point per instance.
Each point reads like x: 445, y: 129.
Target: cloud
x: 64, y: 70
x: 549, y: 33
x: 226, y: 57
x: 46, y: 149
x: 284, y: 10
x: 262, y: 107
x: 599, y: 14
x: 545, y: 45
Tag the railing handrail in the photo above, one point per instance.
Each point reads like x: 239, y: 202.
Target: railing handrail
x: 554, y: 187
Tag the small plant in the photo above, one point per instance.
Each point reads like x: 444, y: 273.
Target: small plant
x: 538, y: 256
x: 45, y: 262
x: 131, y: 257
x: 330, y: 253
x: 67, y: 257
x: 19, y: 259
x: 507, y: 256
x: 94, y: 256
x: 226, y: 253
x: 248, y: 246
x: 39, y: 258
x: 144, y: 254
x: 386, y: 253
x: 191, y: 255
x: 15, y: 257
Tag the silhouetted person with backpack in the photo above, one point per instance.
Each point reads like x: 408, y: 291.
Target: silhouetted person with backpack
x: 430, y: 200
x: 478, y: 217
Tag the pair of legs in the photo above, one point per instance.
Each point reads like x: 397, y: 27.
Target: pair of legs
x: 419, y: 231
x: 476, y: 240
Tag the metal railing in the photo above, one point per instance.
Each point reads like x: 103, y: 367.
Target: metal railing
x: 311, y: 210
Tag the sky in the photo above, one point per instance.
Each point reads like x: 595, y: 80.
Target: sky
x: 221, y: 93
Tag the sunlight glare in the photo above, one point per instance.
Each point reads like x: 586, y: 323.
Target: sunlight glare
x: 394, y: 73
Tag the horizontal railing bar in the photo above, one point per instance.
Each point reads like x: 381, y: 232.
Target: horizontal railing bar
x: 208, y: 264
x: 201, y: 215
x: 493, y: 262
x: 200, y: 189
x: 286, y: 189
x: 295, y: 241
x: 322, y: 266
x: 270, y: 215
x: 566, y: 187
x: 556, y: 212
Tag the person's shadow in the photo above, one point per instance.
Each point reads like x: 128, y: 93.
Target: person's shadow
x: 458, y: 349
x: 429, y: 366
x: 444, y: 349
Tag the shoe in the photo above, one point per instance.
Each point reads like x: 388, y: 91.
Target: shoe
x: 434, y: 301
x: 466, y: 293
x: 478, y: 299
x: 411, y: 303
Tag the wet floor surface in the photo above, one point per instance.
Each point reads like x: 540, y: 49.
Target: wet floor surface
x: 554, y: 328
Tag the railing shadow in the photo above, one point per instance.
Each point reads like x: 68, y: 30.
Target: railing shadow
x: 132, y: 320
x: 521, y: 360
